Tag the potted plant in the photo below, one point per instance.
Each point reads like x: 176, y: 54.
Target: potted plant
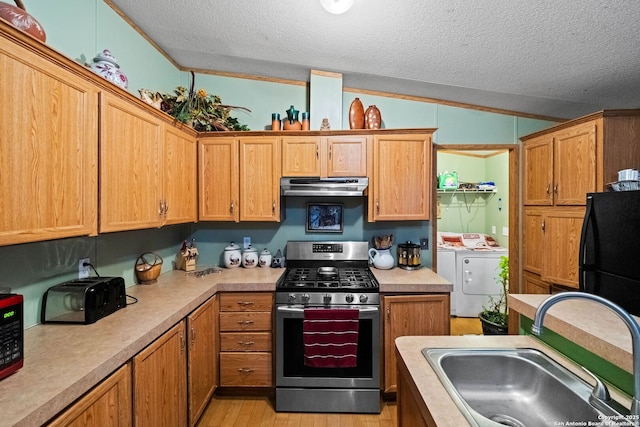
x: 494, y: 318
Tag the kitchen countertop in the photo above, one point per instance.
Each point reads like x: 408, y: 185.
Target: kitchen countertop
x: 63, y: 362
x: 434, y: 396
x: 604, y: 334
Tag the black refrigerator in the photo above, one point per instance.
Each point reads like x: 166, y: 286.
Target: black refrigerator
x: 610, y: 248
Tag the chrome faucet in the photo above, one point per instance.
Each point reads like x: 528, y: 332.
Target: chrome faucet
x: 631, y: 323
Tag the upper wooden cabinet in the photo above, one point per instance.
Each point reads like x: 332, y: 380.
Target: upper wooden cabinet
x: 239, y: 178
x: 147, y: 169
x: 560, y: 168
x: 48, y: 149
x: 319, y: 156
x: 180, y: 176
x: 400, y: 185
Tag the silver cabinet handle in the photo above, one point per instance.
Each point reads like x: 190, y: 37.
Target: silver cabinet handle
x: 246, y: 343
x: 245, y: 370
x: 232, y: 207
x: 245, y: 322
x: 245, y: 303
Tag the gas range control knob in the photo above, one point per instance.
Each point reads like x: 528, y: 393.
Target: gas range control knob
x: 305, y: 297
x: 349, y: 298
x: 292, y: 297
x: 326, y: 298
x: 364, y: 298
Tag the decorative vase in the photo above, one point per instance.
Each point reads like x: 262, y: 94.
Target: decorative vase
x: 372, y: 118
x: 356, y: 114
x: 105, y: 65
x: 305, y: 121
x: 292, y: 122
x: 275, y: 121
x: 19, y: 18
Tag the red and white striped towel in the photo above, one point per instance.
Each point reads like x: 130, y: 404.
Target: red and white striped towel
x: 330, y: 337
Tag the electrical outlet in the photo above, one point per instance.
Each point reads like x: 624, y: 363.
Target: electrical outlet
x: 424, y: 243
x: 493, y: 229
x: 505, y: 231
x: 246, y: 242
x: 83, y: 270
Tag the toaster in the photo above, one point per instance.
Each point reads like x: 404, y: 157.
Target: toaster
x: 83, y: 300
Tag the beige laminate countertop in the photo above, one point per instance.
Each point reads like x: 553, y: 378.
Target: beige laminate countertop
x: 63, y: 362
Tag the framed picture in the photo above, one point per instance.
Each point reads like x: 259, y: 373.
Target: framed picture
x: 325, y: 217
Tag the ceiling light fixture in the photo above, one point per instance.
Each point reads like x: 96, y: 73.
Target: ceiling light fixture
x: 337, y: 6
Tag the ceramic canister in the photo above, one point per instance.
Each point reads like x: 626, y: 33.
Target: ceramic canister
x: 232, y: 256
x: 250, y: 258
x: 264, y: 260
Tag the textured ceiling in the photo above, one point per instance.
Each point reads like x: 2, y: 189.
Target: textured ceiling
x: 549, y: 57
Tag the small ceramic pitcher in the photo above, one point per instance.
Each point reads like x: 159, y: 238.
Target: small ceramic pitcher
x: 381, y: 258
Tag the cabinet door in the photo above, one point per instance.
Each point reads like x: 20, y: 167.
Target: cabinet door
x: 561, y: 246
x: 218, y: 180
x: 180, y: 176
x: 300, y: 156
x: 108, y: 401
x: 532, y: 237
x: 575, y: 164
x: 130, y: 166
x: 160, y: 381
x: 538, y: 171
x: 346, y: 156
x: 401, y: 178
x: 411, y: 315
x: 202, y: 358
x: 259, y: 179
x: 48, y: 150
x: 532, y: 284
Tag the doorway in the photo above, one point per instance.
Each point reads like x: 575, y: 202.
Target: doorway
x: 470, y: 220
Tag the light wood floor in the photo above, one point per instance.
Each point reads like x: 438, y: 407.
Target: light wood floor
x: 258, y: 411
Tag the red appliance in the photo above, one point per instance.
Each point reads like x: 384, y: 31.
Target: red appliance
x: 11, y: 334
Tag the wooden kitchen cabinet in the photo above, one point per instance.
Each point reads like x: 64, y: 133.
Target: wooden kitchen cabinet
x: 202, y: 357
x: 180, y: 176
x: 246, y: 339
x: 426, y: 314
x: 560, y: 166
x: 320, y: 156
x: 110, y: 400
x: 48, y: 148
x: 239, y: 179
x: 160, y: 381
x: 400, y: 185
x: 147, y: 169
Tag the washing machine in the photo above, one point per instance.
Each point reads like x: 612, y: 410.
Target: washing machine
x: 471, y: 262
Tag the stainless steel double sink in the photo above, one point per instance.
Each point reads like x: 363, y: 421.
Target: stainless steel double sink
x: 519, y: 387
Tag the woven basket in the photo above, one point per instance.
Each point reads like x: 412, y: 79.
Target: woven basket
x: 148, y: 267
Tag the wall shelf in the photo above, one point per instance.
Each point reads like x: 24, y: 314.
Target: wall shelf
x: 464, y: 191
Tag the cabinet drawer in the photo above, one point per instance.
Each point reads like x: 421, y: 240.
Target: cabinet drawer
x: 245, y: 341
x: 245, y: 370
x: 249, y: 321
x: 246, y: 301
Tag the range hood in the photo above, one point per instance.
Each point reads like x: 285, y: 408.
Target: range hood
x: 324, y: 187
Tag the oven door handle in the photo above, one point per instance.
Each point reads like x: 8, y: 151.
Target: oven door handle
x: 367, y: 310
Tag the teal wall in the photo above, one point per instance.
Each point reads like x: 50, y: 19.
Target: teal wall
x: 81, y: 28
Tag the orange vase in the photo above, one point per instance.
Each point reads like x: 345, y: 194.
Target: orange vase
x: 19, y: 18
x: 372, y: 118
x: 356, y: 115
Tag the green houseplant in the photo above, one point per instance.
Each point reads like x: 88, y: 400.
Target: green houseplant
x: 494, y: 317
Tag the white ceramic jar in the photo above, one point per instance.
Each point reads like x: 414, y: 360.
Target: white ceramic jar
x: 232, y: 256
x: 250, y: 258
x: 105, y: 65
x: 264, y: 260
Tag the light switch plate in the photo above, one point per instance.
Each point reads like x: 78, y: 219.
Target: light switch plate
x: 246, y: 242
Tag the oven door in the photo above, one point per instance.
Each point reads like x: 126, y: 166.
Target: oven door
x: 291, y: 370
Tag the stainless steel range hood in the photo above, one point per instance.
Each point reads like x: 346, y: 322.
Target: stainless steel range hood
x: 323, y: 187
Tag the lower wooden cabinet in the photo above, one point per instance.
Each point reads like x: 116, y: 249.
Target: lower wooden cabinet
x: 109, y: 403
x: 202, y: 354
x: 426, y: 314
x: 160, y: 381
x: 246, y: 339
x: 411, y: 413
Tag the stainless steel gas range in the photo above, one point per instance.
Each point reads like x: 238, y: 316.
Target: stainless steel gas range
x: 327, y: 330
